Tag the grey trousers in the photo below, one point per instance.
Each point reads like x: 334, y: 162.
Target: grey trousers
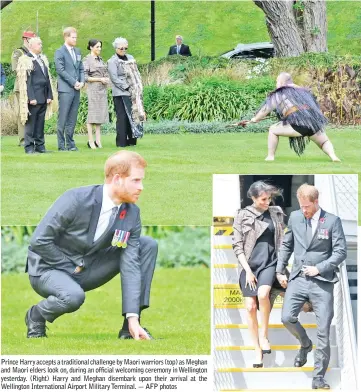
x: 320, y: 294
x: 65, y: 293
x: 67, y: 117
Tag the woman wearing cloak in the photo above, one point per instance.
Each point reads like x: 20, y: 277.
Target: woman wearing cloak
x: 300, y: 117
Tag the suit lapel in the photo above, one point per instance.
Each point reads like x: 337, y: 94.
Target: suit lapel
x: 302, y: 230
x: 95, y: 215
x: 118, y: 223
x: 322, y: 214
x: 69, y: 55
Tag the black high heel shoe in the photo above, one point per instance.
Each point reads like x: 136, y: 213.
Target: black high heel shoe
x: 98, y: 145
x: 268, y: 351
x: 88, y: 144
x: 259, y: 365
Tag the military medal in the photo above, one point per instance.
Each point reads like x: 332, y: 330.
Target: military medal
x: 120, y: 238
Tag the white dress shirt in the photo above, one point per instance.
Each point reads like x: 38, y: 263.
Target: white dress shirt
x: 39, y: 61
x: 71, y: 51
x: 314, y: 220
x: 103, y: 222
x: 178, y: 49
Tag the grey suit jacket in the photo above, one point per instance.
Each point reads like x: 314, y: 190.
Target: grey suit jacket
x: 68, y: 72
x: 326, y: 251
x: 64, y: 239
x: 118, y: 77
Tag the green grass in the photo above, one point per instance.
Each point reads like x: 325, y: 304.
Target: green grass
x: 179, y: 314
x: 210, y: 28
x: 178, y: 183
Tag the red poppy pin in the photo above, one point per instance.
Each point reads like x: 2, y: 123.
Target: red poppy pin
x: 322, y: 220
x: 122, y: 214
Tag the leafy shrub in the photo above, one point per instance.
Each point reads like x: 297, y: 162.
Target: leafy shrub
x: 206, y: 99
x: 179, y: 246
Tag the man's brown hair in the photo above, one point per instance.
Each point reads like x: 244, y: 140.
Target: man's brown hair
x: 121, y: 163
x: 68, y: 30
x: 307, y: 191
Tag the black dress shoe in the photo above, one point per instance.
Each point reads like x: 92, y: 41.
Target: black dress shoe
x: 62, y: 149
x: 35, y: 329
x: 44, y: 151
x: 126, y: 334
x: 30, y: 151
x: 73, y: 149
x: 319, y: 383
x: 301, y: 357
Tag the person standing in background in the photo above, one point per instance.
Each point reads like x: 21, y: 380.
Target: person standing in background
x: 97, y: 79
x: 70, y: 70
x: 35, y: 95
x: 17, y: 53
x: 179, y: 47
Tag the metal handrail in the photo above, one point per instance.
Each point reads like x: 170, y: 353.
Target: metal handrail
x: 349, y: 314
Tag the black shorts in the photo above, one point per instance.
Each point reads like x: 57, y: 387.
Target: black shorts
x: 304, y: 131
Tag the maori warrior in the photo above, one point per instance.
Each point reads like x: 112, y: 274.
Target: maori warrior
x: 300, y: 118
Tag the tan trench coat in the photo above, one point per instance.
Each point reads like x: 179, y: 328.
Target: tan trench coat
x: 247, y: 229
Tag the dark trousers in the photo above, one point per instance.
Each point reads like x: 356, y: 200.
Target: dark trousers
x: 124, y: 131
x: 34, y: 127
x: 67, y: 117
x: 65, y: 293
x: 320, y: 294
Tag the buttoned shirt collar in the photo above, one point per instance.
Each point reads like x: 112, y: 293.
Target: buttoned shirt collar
x: 316, y: 216
x: 107, y: 203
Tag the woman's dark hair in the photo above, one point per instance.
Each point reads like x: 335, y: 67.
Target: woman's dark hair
x: 258, y: 187
x: 93, y: 42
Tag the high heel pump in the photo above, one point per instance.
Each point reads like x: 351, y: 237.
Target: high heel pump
x: 98, y: 145
x: 91, y: 145
x: 267, y: 351
x: 259, y: 365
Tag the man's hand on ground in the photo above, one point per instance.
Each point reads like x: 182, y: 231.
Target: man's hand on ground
x: 136, y: 330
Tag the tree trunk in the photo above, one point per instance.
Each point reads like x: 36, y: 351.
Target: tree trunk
x: 282, y: 27
x: 296, y: 26
x: 315, y: 26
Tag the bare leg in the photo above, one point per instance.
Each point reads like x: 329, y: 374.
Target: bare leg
x: 275, y: 131
x: 90, y: 136
x: 322, y: 141
x: 265, y: 309
x: 251, y: 306
x: 97, y: 135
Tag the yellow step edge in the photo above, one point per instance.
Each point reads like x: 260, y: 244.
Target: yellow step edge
x: 218, y: 306
x: 225, y: 265
x: 267, y: 370
x: 272, y: 326
x: 222, y: 246
x: 226, y: 286
x: 276, y: 347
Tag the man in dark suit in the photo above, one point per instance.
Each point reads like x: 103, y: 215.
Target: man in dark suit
x: 179, y: 47
x: 39, y: 96
x: 87, y: 237
x: 317, y: 239
x: 70, y: 70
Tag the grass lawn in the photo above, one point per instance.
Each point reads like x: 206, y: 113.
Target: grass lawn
x: 209, y: 27
x: 179, y: 314
x: 178, y: 184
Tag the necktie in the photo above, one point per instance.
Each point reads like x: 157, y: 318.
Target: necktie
x: 178, y: 49
x: 112, y: 217
x: 309, y: 231
x: 73, y: 55
x: 40, y: 61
